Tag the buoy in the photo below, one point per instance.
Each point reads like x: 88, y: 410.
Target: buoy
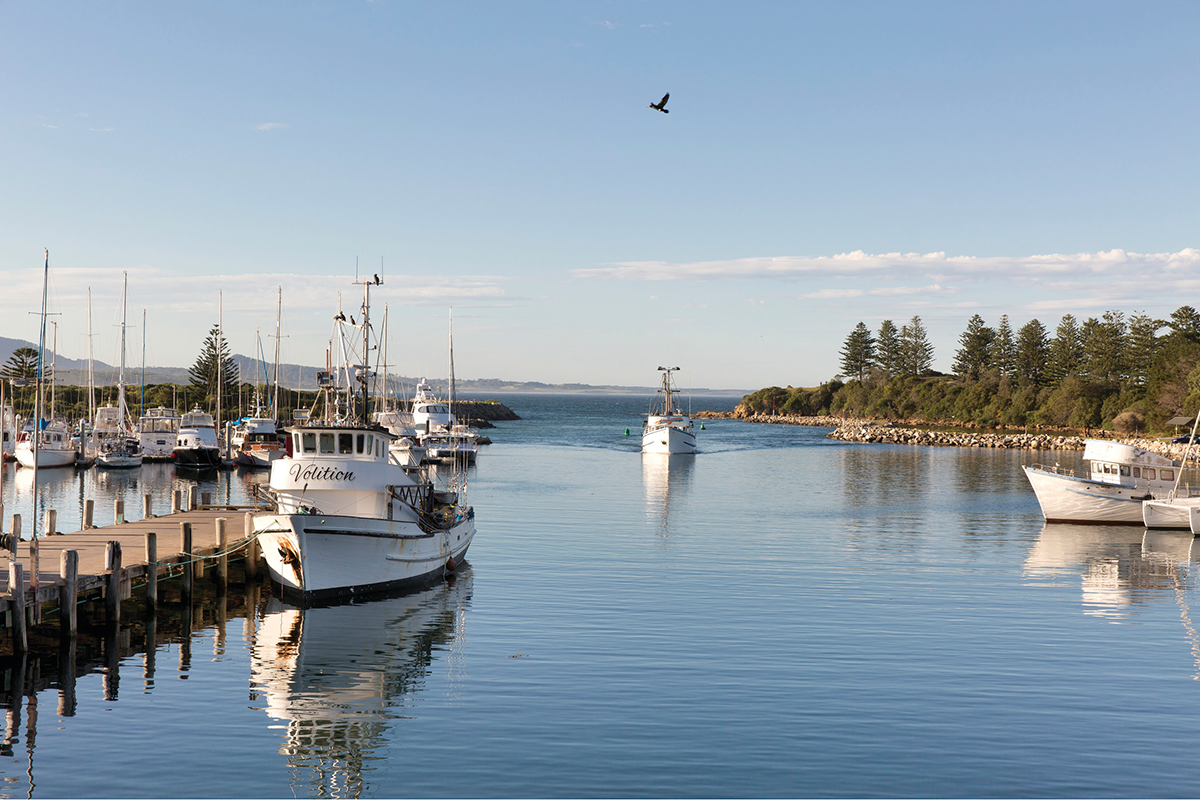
x: 627, y: 431
x: 450, y: 565
x: 701, y: 426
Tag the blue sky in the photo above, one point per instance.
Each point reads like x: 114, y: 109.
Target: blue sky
x: 823, y: 163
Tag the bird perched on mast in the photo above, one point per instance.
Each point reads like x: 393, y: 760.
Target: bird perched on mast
x: 661, y: 104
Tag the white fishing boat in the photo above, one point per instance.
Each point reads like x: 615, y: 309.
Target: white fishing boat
x: 158, y: 430
x: 196, y: 445
x: 119, y: 452
x: 667, y: 429
x: 347, y: 519
x: 1119, y: 477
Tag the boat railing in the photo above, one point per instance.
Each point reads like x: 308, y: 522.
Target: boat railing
x: 433, y: 514
x: 1054, y: 468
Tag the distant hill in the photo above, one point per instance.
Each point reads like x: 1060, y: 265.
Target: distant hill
x: 73, y: 372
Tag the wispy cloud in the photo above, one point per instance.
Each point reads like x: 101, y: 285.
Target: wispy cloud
x: 102, y: 130
x: 607, y: 24
x: 858, y: 263
x: 270, y: 126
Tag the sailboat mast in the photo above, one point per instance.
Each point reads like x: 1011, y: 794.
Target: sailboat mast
x: 37, y: 398
x: 91, y: 372
x: 121, y: 375
x: 451, y: 398
x: 220, y: 341
x: 278, y: 314
x: 142, y: 412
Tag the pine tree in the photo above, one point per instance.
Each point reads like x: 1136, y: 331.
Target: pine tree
x: 21, y: 365
x: 1066, y: 351
x: 974, y: 354
x: 1141, y: 346
x: 888, y: 352
x: 1104, y: 347
x: 858, y: 353
x: 204, y: 372
x: 1032, y: 353
x: 917, y: 352
x: 1185, y: 325
x: 1004, y: 349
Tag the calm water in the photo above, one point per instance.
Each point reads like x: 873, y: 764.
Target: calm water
x: 781, y: 615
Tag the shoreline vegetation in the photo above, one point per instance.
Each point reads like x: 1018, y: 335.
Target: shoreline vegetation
x: 1126, y: 377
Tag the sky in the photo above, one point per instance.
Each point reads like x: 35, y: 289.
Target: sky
x: 822, y: 164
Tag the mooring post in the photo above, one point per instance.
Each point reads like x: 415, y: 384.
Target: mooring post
x: 185, y: 547
x: 206, y: 498
x: 89, y: 511
x: 176, y: 501
x: 146, y: 499
x: 16, y: 534
x: 151, y: 573
x: 193, y: 497
x: 16, y: 591
x: 251, y: 549
x: 222, y: 555
x: 112, y: 594
x: 118, y: 512
x: 66, y: 678
x: 68, y: 593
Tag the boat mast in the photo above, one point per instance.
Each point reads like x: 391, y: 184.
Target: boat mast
x: 278, y: 314
x: 220, y: 358
x: 450, y: 398
x: 91, y: 370
x: 142, y: 410
x: 121, y: 375
x: 37, y: 401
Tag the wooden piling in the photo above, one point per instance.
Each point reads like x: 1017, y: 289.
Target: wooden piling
x: 66, y: 678
x: 118, y: 512
x: 68, y: 593
x: 222, y: 555
x: 16, y: 588
x: 176, y: 501
x: 16, y: 534
x: 112, y: 594
x: 193, y: 497
x: 251, y: 549
x: 89, y: 510
x: 146, y: 506
x: 206, y: 498
x: 185, y: 547
x: 151, y: 573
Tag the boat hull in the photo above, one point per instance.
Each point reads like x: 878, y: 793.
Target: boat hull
x: 315, y: 556
x: 1177, y: 514
x: 1065, y: 498
x: 668, y: 439
x: 197, y: 457
x: 46, y: 458
x: 109, y: 461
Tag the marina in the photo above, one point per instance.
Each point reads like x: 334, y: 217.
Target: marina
x: 617, y: 629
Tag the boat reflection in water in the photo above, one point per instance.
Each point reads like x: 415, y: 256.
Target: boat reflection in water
x: 1121, y: 567
x: 338, y: 675
x: 666, y: 478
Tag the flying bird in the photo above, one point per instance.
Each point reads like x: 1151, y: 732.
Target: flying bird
x: 661, y: 104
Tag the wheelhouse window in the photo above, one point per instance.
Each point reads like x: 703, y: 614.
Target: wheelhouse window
x: 1125, y: 470
x: 310, y: 443
x: 345, y: 444
x: 326, y: 442
x: 361, y: 439
x: 1137, y: 472
x: 1166, y: 474
x: 1150, y: 473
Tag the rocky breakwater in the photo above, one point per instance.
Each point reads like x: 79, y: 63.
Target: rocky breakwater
x: 482, y: 413
x: 879, y: 434
x: 786, y: 419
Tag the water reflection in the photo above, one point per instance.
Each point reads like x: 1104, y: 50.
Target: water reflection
x: 338, y: 676
x: 1121, y: 567
x: 666, y: 479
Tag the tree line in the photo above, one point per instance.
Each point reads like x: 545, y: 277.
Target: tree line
x: 1118, y: 371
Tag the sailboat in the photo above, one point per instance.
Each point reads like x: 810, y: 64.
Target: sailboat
x: 48, y: 442
x: 255, y: 440
x: 667, y: 429
x: 121, y: 448
x: 346, y: 518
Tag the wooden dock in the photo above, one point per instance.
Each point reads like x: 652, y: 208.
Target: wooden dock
x: 106, y: 562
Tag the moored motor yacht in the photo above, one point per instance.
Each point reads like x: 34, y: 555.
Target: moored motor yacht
x: 1118, y: 479
x: 158, y: 429
x: 196, y: 443
x: 255, y: 442
x: 667, y: 429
